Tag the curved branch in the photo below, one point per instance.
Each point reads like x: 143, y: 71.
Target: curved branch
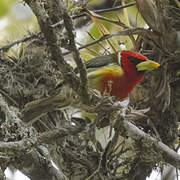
x: 169, y: 155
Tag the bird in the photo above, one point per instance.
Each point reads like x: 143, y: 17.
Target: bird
x: 118, y: 74
x: 114, y: 74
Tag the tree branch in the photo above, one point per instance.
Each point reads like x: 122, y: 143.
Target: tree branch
x: 48, y: 137
x: 76, y: 55
x: 169, y: 155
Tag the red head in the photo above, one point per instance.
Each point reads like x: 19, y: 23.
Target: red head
x: 129, y: 60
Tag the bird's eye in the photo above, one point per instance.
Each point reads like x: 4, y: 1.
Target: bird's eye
x: 135, y: 60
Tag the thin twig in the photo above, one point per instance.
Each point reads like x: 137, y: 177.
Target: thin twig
x: 91, y: 50
x: 119, y: 23
x: 7, y: 46
x: 97, y: 11
x: 124, y: 32
x: 116, y: 8
x: 93, y: 38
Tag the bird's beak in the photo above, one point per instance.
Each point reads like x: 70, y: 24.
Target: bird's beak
x: 147, y: 65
